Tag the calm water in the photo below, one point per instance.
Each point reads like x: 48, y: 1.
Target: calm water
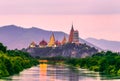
x: 45, y: 72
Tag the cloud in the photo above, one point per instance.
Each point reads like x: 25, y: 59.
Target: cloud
x: 60, y: 7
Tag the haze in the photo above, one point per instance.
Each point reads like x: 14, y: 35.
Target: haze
x: 93, y: 18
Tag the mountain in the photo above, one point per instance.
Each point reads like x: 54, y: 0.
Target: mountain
x: 105, y: 44
x: 19, y: 37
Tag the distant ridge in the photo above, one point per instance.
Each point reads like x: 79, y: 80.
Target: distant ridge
x: 19, y: 37
x: 105, y: 44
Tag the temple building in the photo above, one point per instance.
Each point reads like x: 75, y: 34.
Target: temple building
x: 32, y: 45
x: 43, y: 44
x: 52, y: 41
x: 74, y: 36
x: 71, y: 35
x: 64, y: 41
x: 57, y: 43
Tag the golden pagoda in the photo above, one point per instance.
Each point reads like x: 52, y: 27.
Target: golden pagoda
x: 64, y: 41
x: 52, y: 41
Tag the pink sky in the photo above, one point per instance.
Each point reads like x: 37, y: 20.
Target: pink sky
x: 98, y: 26
x: 93, y: 18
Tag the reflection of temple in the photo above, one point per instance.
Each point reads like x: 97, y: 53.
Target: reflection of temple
x: 43, y: 72
x: 57, y: 73
x: 73, y: 38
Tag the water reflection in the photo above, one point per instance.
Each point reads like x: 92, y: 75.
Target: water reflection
x: 45, y: 72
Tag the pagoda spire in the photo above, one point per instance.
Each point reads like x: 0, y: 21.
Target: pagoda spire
x: 71, y: 34
x: 72, y: 26
x: 64, y: 41
x: 52, y: 40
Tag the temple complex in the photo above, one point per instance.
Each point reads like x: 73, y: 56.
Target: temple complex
x: 73, y: 38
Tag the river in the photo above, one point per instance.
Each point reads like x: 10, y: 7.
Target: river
x: 45, y: 72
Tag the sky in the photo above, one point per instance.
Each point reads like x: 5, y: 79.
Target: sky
x: 92, y: 18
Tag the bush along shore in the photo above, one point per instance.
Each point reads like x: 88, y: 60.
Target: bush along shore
x: 104, y: 62
x: 14, y: 61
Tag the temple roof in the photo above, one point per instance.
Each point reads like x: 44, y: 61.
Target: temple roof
x: 72, y: 29
x: 64, y: 40
x: 58, y: 43
x: 43, y: 42
x: 33, y: 43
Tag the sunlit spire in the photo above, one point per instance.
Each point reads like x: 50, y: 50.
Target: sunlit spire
x: 52, y: 40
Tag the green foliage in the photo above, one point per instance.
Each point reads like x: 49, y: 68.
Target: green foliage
x: 105, y: 62
x: 14, y: 61
x: 3, y: 48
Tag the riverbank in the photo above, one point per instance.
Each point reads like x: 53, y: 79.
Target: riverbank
x: 107, y: 63
x: 14, y: 61
x: 10, y: 65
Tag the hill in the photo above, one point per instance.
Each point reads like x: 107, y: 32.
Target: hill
x: 105, y: 44
x: 19, y: 37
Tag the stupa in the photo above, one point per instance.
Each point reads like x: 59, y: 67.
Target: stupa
x: 52, y: 41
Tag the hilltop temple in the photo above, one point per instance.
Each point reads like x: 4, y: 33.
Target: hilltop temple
x: 73, y: 38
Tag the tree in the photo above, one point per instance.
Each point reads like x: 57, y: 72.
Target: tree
x: 3, y: 48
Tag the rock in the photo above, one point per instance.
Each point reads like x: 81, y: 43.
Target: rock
x: 67, y: 50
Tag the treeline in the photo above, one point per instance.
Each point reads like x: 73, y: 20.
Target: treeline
x: 14, y: 61
x: 103, y: 62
